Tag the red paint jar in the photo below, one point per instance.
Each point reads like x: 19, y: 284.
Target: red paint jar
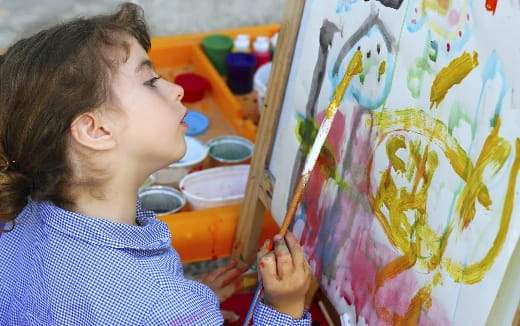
x: 194, y: 86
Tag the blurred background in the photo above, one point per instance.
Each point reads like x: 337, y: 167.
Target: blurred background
x: 19, y: 18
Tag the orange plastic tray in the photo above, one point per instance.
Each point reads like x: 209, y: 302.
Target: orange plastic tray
x: 208, y: 234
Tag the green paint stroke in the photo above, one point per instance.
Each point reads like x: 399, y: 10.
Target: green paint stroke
x: 457, y: 114
x: 419, y: 67
x: 306, y: 131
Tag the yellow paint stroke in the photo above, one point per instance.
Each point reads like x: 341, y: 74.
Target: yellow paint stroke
x: 402, y: 211
x: 382, y: 70
x: 355, y: 67
x: 450, y: 75
x: 475, y: 272
x: 392, y: 147
x: 421, y: 299
x: 494, y: 153
x: 418, y: 122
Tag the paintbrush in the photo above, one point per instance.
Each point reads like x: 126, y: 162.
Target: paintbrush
x: 354, y: 68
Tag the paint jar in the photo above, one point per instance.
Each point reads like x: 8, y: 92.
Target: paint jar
x: 216, y: 47
x: 240, y: 72
x: 229, y: 150
x: 260, y: 83
x: 215, y: 187
x: 196, y: 153
x: 162, y: 200
x: 261, y: 50
x: 194, y: 86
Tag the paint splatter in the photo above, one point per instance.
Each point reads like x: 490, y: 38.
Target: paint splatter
x: 491, y: 5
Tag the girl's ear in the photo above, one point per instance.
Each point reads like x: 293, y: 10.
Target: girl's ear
x: 90, y: 131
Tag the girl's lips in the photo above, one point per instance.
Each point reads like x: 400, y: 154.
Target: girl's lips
x: 183, y: 123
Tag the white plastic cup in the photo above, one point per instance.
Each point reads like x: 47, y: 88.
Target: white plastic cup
x: 260, y: 81
x: 196, y: 153
x: 215, y: 187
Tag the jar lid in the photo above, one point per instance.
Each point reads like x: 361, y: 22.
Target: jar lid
x: 261, y: 45
x: 243, y: 37
x: 218, y: 42
x: 241, y: 44
x: 197, y: 123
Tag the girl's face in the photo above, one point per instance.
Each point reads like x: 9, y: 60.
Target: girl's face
x: 150, y: 131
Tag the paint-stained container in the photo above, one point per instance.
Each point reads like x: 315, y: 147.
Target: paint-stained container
x: 229, y: 150
x: 194, y: 86
x: 196, y: 153
x: 216, y: 47
x: 215, y: 187
x: 240, y: 72
x: 162, y: 200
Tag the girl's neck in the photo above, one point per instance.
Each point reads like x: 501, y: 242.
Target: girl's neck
x: 116, y: 203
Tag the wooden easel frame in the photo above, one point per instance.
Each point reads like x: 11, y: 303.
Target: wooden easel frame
x: 260, y: 186
x: 259, y: 189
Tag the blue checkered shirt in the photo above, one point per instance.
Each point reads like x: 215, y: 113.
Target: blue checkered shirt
x: 63, y: 268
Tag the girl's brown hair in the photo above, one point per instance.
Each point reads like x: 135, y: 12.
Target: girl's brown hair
x: 46, y: 81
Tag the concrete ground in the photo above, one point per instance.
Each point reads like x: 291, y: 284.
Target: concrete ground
x: 20, y: 18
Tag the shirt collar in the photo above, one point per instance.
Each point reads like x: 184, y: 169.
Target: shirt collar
x: 150, y: 234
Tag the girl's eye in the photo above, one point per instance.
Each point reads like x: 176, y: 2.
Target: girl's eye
x: 152, y: 81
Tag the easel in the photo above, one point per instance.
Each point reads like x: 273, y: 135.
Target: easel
x: 259, y: 190
x: 258, y: 193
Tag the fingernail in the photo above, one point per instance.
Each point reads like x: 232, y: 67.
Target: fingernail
x: 277, y: 237
x: 268, y: 244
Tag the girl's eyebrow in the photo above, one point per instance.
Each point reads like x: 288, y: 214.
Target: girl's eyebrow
x: 146, y: 63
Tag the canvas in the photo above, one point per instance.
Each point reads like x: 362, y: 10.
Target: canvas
x: 411, y: 214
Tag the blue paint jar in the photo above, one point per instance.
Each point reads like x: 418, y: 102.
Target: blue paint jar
x: 240, y: 72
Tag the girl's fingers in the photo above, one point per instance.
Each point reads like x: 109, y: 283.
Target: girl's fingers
x: 230, y: 316
x: 225, y: 292
x: 266, y: 248
x: 267, y: 268
x: 230, y: 275
x: 284, y: 262
x: 214, y: 274
x: 295, y: 249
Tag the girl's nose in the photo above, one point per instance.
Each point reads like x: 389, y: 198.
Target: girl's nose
x: 178, y: 92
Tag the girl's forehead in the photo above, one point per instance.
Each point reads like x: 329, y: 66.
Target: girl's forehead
x: 135, y: 58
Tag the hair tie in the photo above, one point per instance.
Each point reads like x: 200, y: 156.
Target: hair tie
x: 4, y: 164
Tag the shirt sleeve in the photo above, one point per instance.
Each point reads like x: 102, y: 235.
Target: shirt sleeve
x: 266, y: 315
x: 184, y: 308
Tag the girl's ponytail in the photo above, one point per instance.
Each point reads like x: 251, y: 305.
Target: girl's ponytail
x: 14, y: 191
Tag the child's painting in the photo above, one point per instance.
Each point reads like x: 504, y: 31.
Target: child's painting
x: 413, y: 210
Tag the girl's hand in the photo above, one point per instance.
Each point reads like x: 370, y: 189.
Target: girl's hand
x: 286, y: 275
x: 225, y: 280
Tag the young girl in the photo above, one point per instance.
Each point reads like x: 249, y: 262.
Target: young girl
x: 84, y: 119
